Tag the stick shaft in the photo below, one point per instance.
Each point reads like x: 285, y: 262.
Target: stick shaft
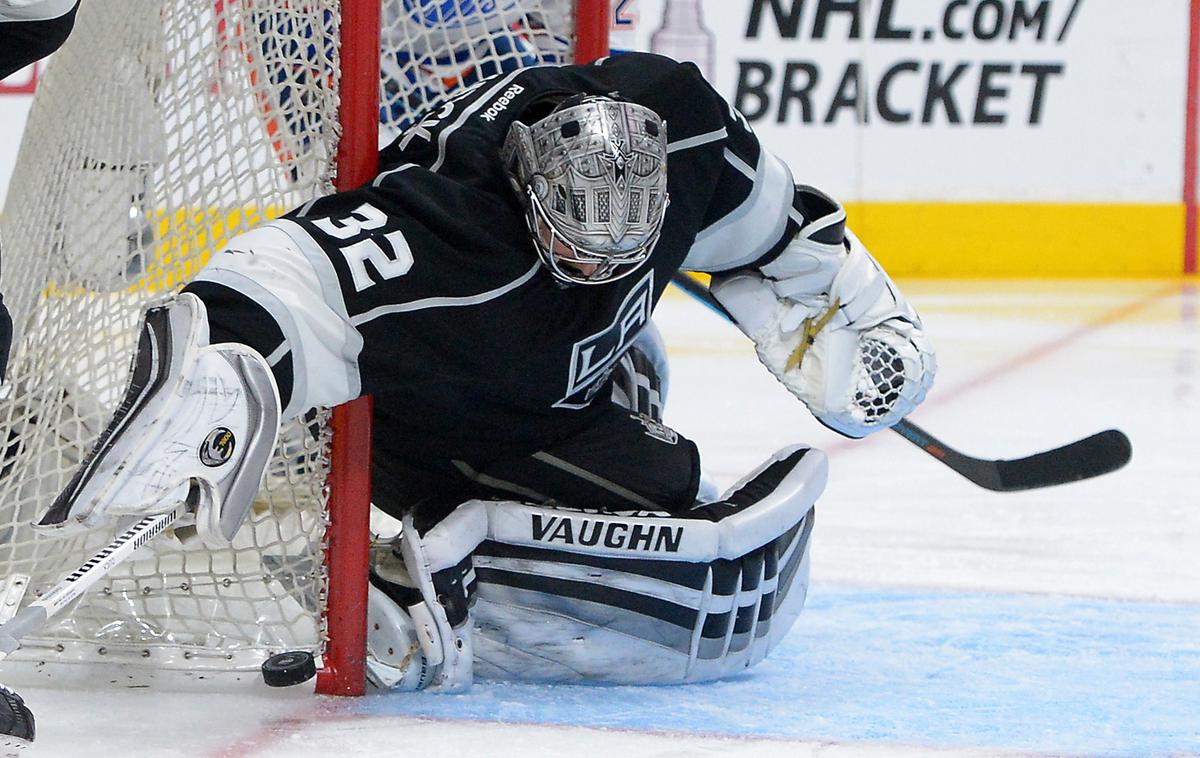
x: 79, y: 581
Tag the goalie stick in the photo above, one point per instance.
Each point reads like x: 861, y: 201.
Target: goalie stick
x: 1089, y: 457
x: 16, y: 720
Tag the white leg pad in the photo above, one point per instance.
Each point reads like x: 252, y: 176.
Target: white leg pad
x: 567, y: 596
x: 571, y: 596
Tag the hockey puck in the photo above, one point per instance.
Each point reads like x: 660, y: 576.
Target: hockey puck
x: 286, y: 669
x: 16, y: 722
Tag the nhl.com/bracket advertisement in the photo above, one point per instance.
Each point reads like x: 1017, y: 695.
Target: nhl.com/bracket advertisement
x: 908, y: 86
x: 973, y: 122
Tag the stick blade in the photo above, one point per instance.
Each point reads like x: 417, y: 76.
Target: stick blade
x: 1102, y: 453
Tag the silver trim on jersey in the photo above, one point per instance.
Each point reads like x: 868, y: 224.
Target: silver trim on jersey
x: 327, y: 277
x: 468, y: 471
x: 746, y: 233
x: 402, y: 167
x: 697, y: 141
x: 304, y: 209
x: 743, y: 168
x: 595, y: 479
x: 481, y: 101
x: 446, y: 302
x: 277, y: 355
x: 249, y: 286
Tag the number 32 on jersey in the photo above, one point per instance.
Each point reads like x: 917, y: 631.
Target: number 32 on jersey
x: 362, y: 220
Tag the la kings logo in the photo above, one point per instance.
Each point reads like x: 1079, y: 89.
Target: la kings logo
x: 645, y: 536
x: 593, y: 358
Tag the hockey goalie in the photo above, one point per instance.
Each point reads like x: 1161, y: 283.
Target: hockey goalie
x: 492, y: 288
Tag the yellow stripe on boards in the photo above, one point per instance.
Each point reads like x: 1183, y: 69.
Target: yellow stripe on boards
x: 960, y: 240
x: 1022, y: 239
x: 183, y: 241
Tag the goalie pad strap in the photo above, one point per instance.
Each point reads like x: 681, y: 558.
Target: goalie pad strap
x: 755, y: 230
x: 454, y: 537
x: 439, y: 572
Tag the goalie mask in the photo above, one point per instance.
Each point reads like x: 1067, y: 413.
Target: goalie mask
x: 592, y: 176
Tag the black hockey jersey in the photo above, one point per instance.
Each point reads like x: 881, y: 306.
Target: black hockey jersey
x: 472, y: 350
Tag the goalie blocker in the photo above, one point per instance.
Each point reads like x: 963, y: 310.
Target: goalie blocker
x: 197, y: 424
x: 512, y: 591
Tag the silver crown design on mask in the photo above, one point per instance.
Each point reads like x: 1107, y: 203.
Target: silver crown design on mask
x: 593, y: 178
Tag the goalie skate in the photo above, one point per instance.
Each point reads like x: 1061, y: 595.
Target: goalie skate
x: 16, y: 723
x: 419, y: 624
x: 194, y: 416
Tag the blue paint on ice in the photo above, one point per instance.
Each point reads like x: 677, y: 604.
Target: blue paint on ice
x: 953, y: 669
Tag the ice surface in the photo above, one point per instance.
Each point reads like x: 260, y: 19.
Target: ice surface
x: 944, y: 619
x: 968, y: 669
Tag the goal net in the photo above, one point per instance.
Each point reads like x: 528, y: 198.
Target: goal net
x: 160, y: 130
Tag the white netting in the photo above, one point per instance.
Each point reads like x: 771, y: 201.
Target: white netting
x: 433, y: 47
x: 161, y: 129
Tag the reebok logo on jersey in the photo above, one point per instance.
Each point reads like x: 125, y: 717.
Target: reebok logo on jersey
x: 593, y: 358
x: 501, y: 103
x: 647, y: 537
